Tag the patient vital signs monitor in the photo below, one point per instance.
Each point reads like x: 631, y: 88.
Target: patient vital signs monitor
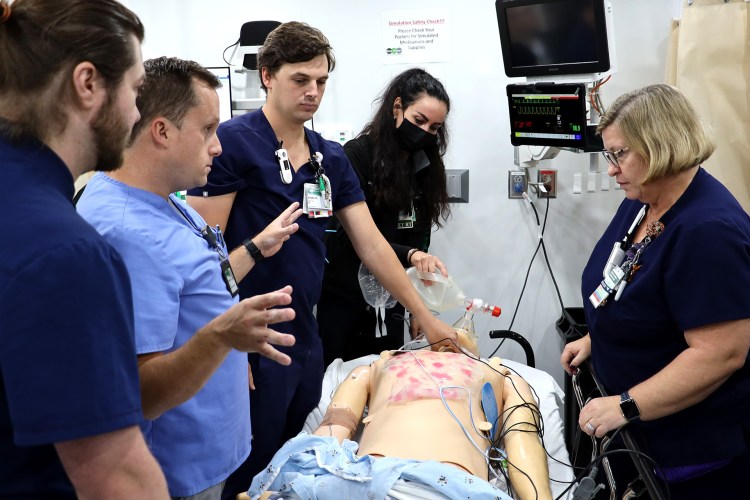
x: 547, y: 114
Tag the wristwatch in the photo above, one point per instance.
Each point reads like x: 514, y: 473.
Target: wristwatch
x: 253, y: 250
x: 629, y: 407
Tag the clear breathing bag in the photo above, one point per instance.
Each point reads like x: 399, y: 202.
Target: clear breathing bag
x: 376, y: 296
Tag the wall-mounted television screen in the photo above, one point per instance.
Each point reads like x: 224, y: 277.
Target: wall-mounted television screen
x: 548, y: 114
x: 552, y: 37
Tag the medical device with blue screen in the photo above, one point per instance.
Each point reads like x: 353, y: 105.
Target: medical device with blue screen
x: 546, y: 114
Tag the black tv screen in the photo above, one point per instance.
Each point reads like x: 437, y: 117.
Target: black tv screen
x: 552, y: 37
x: 547, y: 114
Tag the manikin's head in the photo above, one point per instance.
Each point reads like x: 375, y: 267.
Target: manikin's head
x: 466, y: 341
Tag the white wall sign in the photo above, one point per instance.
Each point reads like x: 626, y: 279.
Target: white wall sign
x: 416, y: 36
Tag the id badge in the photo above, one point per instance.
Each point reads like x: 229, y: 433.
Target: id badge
x: 406, y: 219
x: 616, y: 256
x: 607, y: 287
x: 316, y: 203
x: 228, y: 276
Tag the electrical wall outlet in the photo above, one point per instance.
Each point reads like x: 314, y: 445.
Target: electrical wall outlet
x: 517, y: 184
x: 548, y: 178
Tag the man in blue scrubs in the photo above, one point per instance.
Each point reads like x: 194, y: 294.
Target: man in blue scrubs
x: 191, y: 332
x: 69, y: 397
x: 269, y: 161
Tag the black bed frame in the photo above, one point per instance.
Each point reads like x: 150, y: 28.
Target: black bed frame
x: 578, y: 390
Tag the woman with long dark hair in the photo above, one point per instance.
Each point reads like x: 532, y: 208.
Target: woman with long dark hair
x: 398, y: 157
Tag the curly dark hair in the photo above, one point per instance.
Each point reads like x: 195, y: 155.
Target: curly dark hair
x: 391, y: 183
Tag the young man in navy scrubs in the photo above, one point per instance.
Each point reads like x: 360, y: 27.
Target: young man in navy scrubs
x: 191, y: 334
x: 270, y: 160
x: 69, y: 397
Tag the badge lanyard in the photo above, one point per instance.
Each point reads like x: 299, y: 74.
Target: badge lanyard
x: 215, y: 241
x: 616, y: 274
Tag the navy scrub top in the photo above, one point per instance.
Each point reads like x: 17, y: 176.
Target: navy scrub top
x: 67, y: 357
x: 694, y: 274
x: 248, y: 166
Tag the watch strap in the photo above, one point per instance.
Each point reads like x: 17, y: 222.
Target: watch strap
x: 628, y: 407
x: 253, y: 250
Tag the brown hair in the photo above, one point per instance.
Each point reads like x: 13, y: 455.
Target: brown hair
x: 42, y: 41
x: 293, y: 42
x: 168, y: 90
x: 659, y: 124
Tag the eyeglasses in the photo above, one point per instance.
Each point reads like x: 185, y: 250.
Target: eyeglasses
x: 613, y: 157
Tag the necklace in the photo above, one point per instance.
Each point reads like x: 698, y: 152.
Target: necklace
x: 623, y: 262
x: 630, y: 266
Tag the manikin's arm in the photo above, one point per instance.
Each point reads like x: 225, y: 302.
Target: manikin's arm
x: 520, y: 423
x: 347, y: 405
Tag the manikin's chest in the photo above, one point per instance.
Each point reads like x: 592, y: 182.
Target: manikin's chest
x: 425, y: 374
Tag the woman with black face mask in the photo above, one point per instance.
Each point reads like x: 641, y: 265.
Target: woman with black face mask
x: 398, y: 157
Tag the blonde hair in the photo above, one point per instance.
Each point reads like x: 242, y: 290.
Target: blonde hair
x: 659, y: 124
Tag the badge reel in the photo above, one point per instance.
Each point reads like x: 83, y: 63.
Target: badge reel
x: 285, y: 167
x: 613, y: 276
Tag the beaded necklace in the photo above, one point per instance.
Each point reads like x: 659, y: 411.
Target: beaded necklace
x: 630, y: 266
x: 623, y: 264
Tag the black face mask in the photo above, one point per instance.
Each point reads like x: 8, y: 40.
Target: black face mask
x: 413, y: 138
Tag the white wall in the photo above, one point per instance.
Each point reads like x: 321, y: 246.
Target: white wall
x: 488, y: 243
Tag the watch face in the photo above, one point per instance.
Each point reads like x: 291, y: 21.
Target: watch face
x: 629, y: 408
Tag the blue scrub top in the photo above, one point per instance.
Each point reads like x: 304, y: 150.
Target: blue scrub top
x: 178, y: 289
x: 248, y: 166
x: 694, y: 274
x: 67, y: 357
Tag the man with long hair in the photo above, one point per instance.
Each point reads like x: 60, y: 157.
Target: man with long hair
x: 69, y: 395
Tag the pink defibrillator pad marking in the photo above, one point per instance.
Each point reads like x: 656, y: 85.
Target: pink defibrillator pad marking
x: 437, y: 370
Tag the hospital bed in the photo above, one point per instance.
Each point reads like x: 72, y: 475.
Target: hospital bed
x: 550, y: 396
x: 584, y: 450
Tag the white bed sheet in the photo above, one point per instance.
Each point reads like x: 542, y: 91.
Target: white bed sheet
x: 551, y: 399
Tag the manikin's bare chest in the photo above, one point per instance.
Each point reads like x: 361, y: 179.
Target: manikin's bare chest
x: 408, y: 410
x: 426, y: 374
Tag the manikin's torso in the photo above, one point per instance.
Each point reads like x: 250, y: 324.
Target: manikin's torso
x: 407, y: 418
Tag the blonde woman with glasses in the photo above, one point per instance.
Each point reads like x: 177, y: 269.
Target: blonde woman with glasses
x: 666, y: 301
